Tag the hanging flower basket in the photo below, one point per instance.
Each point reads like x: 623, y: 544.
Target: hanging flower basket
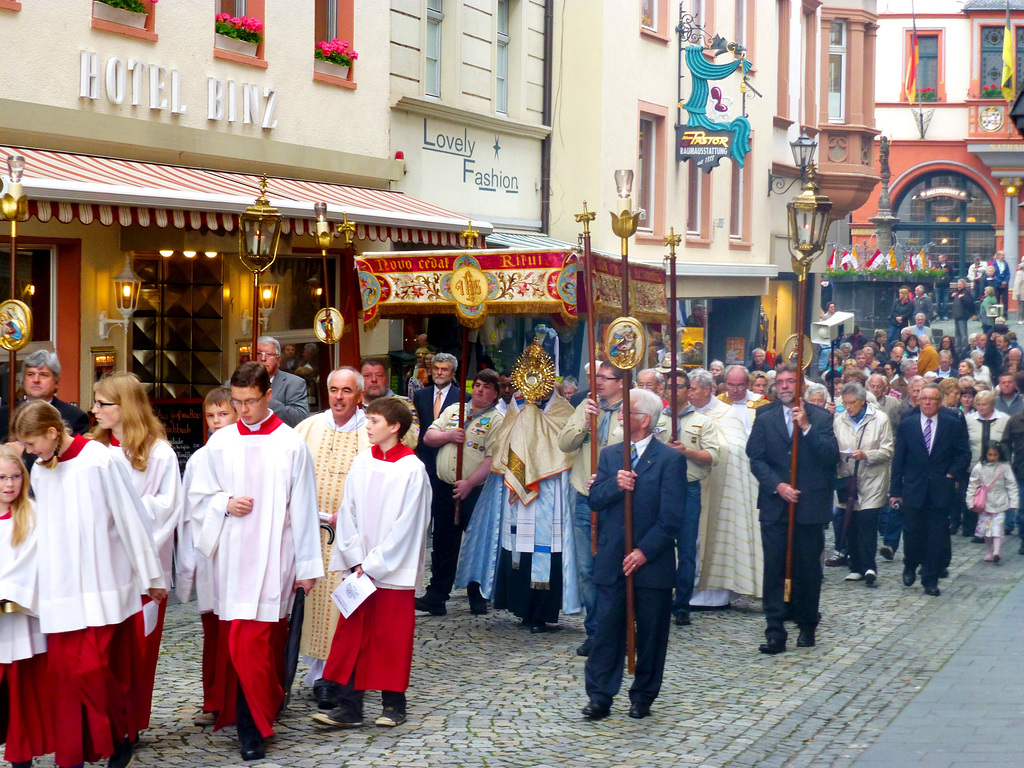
x: 120, y: 14
x: 226, y: 43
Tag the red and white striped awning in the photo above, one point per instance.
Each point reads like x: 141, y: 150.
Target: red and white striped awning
x: 65, y: 186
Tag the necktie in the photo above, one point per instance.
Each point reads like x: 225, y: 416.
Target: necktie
x: 634, y: 457
x: 437, y: 404
x: 789, y: 420
x: 605, y: 422
x: 928, y: 434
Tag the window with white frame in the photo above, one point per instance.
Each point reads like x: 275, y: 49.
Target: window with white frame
x: 432, y: 73
x: 649, y: 14
x: 646, y: 169
x: 837, y: 72
x: 741, y: 22
x: 327, y: 15
x: 736, y: 207
x: 694, y: 190
x: 233, y: 7
x: 501, y: 64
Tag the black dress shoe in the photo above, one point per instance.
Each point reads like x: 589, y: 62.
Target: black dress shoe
x: 253, y: 750
x: 326, y: 693
x: 539, y: 628
x: 433, y: 607
x: 121, y: 758
x: 977, y: 540
x: 909, y: 576
x: 806, y: 639
x: 683, y: 619
x: 595, y: 711
x: 639, y: 711
x: 478, y: 606
x: 772, y: 646
x: 933, y: 590
x: 585, y: 648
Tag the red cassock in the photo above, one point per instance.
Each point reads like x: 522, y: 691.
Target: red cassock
x: 24, y: 712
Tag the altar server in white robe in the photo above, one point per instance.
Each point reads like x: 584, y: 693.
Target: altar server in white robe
x: 194, y: 569
x: 24, y: 712
x: 96, y: 556
x: 382, y: 536
x: 254, y: 508
x: 126, y: 424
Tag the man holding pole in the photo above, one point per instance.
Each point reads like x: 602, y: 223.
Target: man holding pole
x: 658, y: 516
x: 806, y: 505
x: 575, y: 438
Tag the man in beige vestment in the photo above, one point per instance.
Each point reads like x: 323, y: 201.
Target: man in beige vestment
x: 334, y: 437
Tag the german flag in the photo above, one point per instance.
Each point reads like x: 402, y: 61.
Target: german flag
x: 910, y: 79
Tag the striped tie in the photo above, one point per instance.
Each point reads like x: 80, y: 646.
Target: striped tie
x: 928, y: 435
x: 634, y: 457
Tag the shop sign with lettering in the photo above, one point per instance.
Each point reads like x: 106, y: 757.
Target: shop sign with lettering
x: 119, y: 80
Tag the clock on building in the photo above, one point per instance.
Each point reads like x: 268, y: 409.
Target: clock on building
x: 991, y: 119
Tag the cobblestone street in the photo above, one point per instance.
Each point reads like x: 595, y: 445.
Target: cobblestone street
x: 487, y: 693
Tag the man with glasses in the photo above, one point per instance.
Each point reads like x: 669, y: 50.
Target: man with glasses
x: 333, y: 437
x: 932, y: 452
x: 575, y: 439
x: 254, y: 510
x: 290, y: 395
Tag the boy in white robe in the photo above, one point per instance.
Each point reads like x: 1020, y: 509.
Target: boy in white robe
x: 381, y: 535
x: 194, y: 568
x: 254, y: 508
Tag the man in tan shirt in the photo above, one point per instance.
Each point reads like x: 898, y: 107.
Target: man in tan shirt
x: 575, y: 438
x: 481, y: 422
x: 698, y: 442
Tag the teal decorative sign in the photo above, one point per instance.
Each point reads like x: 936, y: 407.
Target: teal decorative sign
x: 710, y: 133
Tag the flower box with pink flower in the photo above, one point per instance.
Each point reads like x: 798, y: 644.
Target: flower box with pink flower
x: 240, y: 34
x: 128, y: 13
x: 334, y: 58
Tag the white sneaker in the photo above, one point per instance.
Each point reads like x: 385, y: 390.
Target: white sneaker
x: 870, y: 577
x: 854, y: 576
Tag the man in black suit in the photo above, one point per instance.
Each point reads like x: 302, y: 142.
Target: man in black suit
x: 40, y: 374
x: 770, y: 449
x: 932, y: 452
x: 429, y: 402
x: 658, y: 508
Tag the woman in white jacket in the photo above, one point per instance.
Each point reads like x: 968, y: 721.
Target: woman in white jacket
x: 865, y: 452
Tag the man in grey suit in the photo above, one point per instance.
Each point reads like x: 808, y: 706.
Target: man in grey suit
x: 289, y: 396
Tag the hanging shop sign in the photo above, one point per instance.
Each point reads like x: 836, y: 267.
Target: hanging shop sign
x: 711, y: 132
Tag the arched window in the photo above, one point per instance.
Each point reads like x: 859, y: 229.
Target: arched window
x: 949, y: 212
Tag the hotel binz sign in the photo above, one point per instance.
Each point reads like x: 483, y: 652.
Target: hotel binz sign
x: 159, y: 88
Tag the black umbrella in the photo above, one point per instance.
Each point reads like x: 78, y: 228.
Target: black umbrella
x: 291, y: 648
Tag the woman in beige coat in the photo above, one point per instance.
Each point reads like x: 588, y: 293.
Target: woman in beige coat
x: 1018, y: 291
x: 865, y: 452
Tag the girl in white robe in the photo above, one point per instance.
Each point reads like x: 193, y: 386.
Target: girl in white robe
x: 126, y: 424
x: 28, y: 726
x: 96, y: 556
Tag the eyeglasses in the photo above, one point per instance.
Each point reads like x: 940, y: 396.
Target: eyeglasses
x: 266, y: 355
x: 101, y: 404
x: 4, y: 479
x: 250, y: 403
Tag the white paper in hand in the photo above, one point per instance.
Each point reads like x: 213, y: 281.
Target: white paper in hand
x: 150, y: 616
x: 351, y: 593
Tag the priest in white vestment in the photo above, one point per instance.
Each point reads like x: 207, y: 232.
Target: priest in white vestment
x: 729, y: 557
x: 254, y: 506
